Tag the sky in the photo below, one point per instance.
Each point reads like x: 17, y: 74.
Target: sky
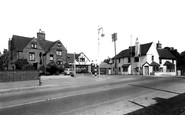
x: 75, y: 23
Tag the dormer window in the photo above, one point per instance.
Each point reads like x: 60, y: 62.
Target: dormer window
x: 34, y: 45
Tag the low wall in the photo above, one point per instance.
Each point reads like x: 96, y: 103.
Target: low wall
x: 7, y: 76
x: 165, y: 74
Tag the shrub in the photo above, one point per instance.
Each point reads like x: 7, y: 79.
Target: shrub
x: 61, y: 68
x: 20, y: 63
x: 52, y: 68
x: 28, y: 67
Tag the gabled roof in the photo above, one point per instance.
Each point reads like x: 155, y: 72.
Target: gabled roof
x: 46, y: 45
x: 126, y: 52
x: 19, y: 42
x: 165, y: 54
x: 70, y: 57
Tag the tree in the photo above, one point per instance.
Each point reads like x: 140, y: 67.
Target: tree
x: 183, y: 62
x: 20, y: 63
x: 177, y: 56
x: 107, y: 60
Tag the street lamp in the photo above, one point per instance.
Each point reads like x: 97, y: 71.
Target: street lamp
x: 102, y: 35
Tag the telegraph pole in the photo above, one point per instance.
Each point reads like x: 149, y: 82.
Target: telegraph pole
x: 114, y: 39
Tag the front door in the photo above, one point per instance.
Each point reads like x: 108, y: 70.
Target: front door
x: 146, y: 70
x: 35, y: 65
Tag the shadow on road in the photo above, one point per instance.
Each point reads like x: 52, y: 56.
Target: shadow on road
x: 171, y: 106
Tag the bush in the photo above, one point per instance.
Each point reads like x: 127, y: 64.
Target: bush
x: 20, y: 63
x: 61, y: 68
x: 28, y: 67
x: 52, y: 68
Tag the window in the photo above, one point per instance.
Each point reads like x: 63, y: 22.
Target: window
x: 51, y: 57
x: 59, y: 62
x: 155, y: 68
x: 82, y: 59
x: 170, y: 68
x: 119, y: 69
x: 136, y: 59
x: 119, y: 60
x: 152, y: 58
x: 129, y: 60
x: 59, y: 53
x: 125, y: 69
x: 161, y: 69
x: 32, y: 56
x: 160, y: 61
x: 33, y: 45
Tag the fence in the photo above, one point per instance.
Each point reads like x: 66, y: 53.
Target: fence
x: 10, y: 75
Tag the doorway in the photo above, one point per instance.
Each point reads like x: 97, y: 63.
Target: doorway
x: 146, y: 70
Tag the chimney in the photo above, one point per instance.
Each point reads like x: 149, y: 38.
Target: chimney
x: 159, y: 45
x: 41, y: 35
x: 5, y: 51
x: 137, y: 47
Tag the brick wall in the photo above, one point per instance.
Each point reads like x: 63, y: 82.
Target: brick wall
x: 7, y: 76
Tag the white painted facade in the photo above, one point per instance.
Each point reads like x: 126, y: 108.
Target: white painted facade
x: 143, y: 66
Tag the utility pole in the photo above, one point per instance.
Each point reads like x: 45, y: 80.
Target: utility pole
x: 131, y: 54
x: 114, y: 39
x: 74, y: 66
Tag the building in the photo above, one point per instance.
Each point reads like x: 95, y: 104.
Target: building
x: 82, y: 62
x: 105, y: 68
x: 145, y: 59
x: 37, y: 51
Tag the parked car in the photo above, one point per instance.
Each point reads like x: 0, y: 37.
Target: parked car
x: 68, y: 71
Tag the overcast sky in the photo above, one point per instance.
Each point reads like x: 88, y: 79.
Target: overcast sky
x: 75, y: 23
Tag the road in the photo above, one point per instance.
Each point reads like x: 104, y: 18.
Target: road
x: 84, y: 99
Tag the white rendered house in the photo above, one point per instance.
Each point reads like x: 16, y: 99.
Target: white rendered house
x: 145, y: 59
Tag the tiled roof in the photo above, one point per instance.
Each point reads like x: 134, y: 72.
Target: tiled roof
x: 46, y: 45
x: 165, y: 54
x: 154, y: 64
x: 126, y: 65
x: 168, y: 63
x: 126, y: 52
x: 19, y: 42
x: 105, y: 65
x: 122, y: 54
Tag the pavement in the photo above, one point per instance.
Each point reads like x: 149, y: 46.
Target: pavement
x: 58, y: 80
x: 63, y: 80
